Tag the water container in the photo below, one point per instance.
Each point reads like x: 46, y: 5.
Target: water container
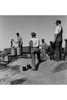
x: 6, y: 58
x: 13, y: 51
x: 18, y: 51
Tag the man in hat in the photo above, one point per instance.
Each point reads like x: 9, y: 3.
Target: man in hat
x: 58, y: 40
x: 19, y: 41
x: 35, y: 43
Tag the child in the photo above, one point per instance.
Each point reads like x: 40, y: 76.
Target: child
x: 43, y: 50
x: 65, y: 49
x: 51, y: 51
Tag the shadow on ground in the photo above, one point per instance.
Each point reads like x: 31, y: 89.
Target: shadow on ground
x: 3, y: 67
x: 18, y: 81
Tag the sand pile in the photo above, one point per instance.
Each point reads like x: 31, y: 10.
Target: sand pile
x: 49, y: 72
x: 21, y: 62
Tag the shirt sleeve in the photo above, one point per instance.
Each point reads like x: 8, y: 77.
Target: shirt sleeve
x: 57, y: 30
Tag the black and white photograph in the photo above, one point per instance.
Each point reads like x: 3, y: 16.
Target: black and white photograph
x: 33, y: 49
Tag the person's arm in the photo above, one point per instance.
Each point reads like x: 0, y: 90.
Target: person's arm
x: 15, y: 42
x: 22, y: 41
x: 31, y: 43
x: 55, y: 36
x: 38, y: 42
x: 46, y: 46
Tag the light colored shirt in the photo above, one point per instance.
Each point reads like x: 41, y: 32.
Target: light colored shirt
x: 44, y: 46
x: 57, y: 31
x: 36, y: 42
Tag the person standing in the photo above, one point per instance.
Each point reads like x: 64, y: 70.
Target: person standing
x: 58, y: 40
x: 65, y: 50
x: 19, y: 42
x: 51, y: 50
x: 43, y: 50
x: 35, y: 43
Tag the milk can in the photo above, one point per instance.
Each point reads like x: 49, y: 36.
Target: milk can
x: 13, y: 51
x: 18, y: 51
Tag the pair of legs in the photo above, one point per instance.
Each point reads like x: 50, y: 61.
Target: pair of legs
x: 58, y: 51
x: 52, y: 56
x: 21, y: 49
x: 43, y: 54
x: 34, y: 52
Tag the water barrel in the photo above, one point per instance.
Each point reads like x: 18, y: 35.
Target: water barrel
x: 18, y: 51
x: 13, y: 51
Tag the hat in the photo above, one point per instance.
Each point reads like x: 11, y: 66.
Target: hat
x: 58, y: 21
x: 33, y: 34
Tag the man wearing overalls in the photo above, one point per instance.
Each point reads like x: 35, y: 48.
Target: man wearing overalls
x: 58, y: 41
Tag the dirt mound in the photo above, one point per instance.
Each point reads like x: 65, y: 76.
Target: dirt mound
x: 20, y: 62
x: 60, y: 67
x: 47, y: 65
x: 49, y: 72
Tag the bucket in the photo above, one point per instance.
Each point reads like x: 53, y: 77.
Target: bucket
x: 18, y: 51
x: 13, y: 51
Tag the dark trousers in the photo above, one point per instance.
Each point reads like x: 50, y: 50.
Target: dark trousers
x: 58, y: 50
x: 21, y: 49
x: 51, y: 56
x: 65, y: 54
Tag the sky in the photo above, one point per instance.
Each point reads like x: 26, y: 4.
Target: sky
x: 44, y: 26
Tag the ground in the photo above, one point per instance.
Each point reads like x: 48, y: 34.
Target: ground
x: 49, y: 72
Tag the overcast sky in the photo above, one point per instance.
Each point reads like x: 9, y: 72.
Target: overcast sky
x: 44, y: 26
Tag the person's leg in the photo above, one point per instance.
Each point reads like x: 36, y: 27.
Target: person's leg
x: 64, y: 55
x: 50, y: 56
x: 21, y: 49
x: 43, y: 55
x: 60, y: 50
x: 33, y: 60
x: 57, y: 51
x: 38, y: 56
x: 53, y: 57
x: 45, y: 58
x: 33, y: 52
